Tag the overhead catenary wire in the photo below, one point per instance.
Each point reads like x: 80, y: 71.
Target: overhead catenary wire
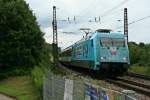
x: 135, y: 21
x: 106, y: 13
x: 113, y: 8
x: 102, y: 15
x: 96, y: 19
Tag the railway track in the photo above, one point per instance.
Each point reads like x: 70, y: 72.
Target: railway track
x: 131, y: 74
x: 137, y: 86
x: 140, y: 84
x: 131, y: 84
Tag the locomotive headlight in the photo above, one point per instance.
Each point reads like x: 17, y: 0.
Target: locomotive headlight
x: 102, y: 58
x: 125, y: 58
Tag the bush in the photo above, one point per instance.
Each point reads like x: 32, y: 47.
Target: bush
x: 21, y: 40
x: 37, y: 77
x: 140, y: 69
x: 5, y: 72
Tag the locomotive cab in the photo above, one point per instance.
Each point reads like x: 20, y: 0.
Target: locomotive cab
x: 112, y: 52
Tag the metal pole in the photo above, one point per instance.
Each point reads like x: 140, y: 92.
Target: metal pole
x: 126, y: 23
x: 54, y: 23
x: 55, y: 41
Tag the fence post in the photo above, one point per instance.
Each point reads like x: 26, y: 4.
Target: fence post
x: 128, y: 95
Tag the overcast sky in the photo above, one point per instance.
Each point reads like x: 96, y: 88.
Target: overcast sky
x: 85, y: 10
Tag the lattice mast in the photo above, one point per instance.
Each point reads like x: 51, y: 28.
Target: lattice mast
x: 55, y: 39
x: 54, y: 23
x: 126, y: 23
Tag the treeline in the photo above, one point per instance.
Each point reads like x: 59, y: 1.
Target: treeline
x: 139, y: 54
x: 21, y: 40
x: 23, y: 50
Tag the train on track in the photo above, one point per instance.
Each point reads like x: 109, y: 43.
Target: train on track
x: 103, y: 51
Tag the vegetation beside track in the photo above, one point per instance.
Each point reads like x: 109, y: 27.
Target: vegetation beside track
x: 140, y: 58
x: 23, y: 50
x: 39, y: 72
x: 20, y: 87
x: 140, y: 69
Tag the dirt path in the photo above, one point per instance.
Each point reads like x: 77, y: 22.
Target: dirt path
x: 4, y: 97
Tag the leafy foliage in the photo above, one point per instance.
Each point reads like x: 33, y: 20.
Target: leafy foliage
x: 139, y: 53
x: 21, y: 41
x: 140, y: 69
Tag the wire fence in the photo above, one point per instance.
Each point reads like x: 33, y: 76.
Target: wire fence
x: 61, y: 88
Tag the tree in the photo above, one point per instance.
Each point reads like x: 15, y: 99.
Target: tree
x: 139, y: 53
x: 21, y: 40
x: 133, y: 47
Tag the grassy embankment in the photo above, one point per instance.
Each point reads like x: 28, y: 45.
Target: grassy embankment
x: 20, y: 87
x: 21, y: 82
x: 39, y: 72
x: 140, y: 69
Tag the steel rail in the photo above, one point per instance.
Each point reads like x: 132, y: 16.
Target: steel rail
x: 136, y: 86
x: 146, y: 77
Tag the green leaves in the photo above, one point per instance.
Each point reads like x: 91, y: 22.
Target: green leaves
x: 139, y: 53
x: 21, y: 41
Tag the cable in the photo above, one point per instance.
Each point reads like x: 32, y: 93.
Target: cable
x: 135, y: 21
x: 115, y: 7
x: 139, y: 20
x: 110, y: 10
x: 105, y: 13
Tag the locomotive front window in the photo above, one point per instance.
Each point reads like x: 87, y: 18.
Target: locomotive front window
x: 106, y: 42
x: 118, y: 42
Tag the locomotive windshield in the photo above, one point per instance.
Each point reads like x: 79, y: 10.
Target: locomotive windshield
x: 105, y: 42
x: 118, y: 42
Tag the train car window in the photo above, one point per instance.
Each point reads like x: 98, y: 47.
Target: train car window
x: 92, y: 42
x: 83, y: 50
x: 74, y: 52
x: 86, y: 49
x: 118, y: 42
x: 78, y: 50
x: 67, y: 53
x: 105, y: 42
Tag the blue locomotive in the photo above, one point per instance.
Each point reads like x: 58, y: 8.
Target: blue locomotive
x: 101, y: 50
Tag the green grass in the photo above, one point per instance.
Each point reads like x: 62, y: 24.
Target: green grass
x: 20, y: 87
x: 39, y: 72
x: 140, y: 69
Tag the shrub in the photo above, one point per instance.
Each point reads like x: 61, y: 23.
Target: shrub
x: 140, y: 69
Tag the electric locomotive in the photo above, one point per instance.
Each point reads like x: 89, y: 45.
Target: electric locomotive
x: 103, y: 51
